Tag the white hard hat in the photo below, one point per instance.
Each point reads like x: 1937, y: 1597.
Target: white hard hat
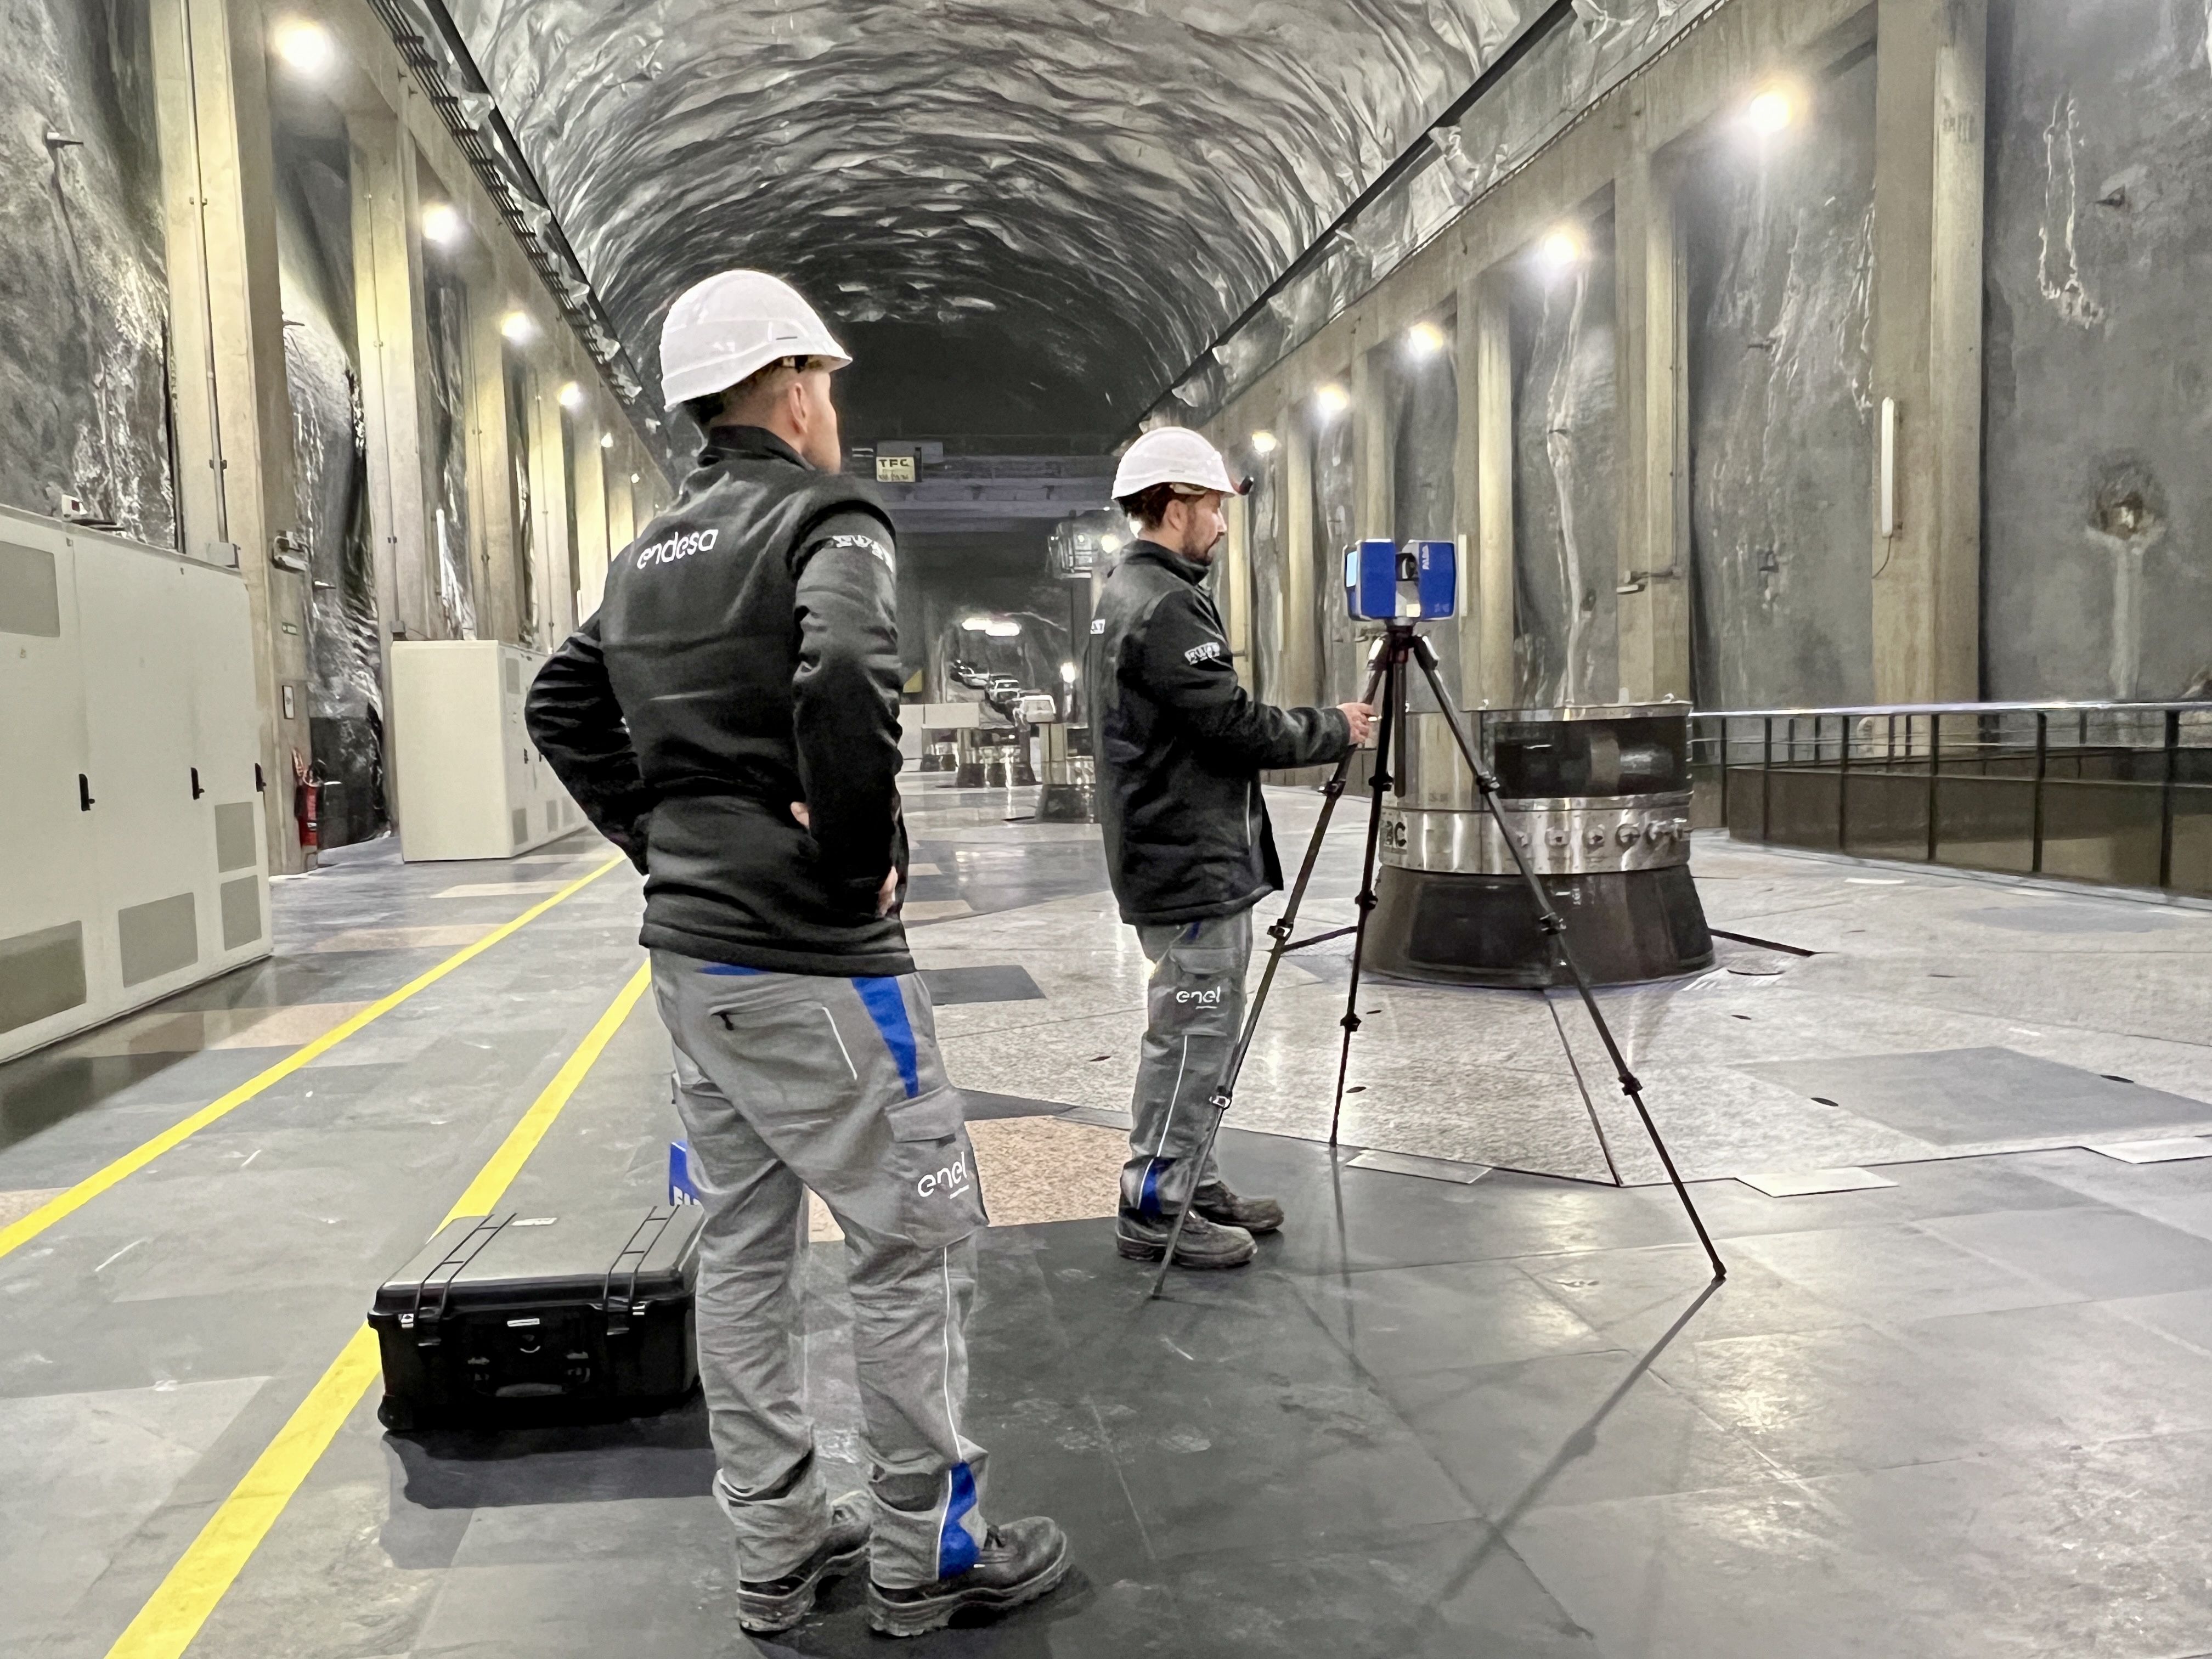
x: 731, y: 326
x: 1172, y: 455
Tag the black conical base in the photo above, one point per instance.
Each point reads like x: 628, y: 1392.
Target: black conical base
x: 1481, y: 930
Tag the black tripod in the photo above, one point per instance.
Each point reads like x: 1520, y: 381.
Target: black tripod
x: 1399, y: 647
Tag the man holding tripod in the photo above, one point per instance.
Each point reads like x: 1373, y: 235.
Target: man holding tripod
x: 1180, y: 745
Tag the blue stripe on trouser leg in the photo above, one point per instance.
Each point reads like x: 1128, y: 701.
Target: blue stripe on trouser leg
x: 886, y: 1005
x: 960, y: 1542
x: 1148, y: 1199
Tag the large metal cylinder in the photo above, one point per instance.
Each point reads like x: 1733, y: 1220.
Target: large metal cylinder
x: 1598, y: 798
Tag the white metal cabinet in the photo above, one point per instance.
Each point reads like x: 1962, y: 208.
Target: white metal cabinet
x: 123, y: 672
x: 471, y: 785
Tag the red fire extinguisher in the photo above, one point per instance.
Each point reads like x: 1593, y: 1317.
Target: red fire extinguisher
x: 307, y: 801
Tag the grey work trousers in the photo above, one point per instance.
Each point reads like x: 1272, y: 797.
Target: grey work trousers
x: 1194, y: 1011
x: 792, y: 1082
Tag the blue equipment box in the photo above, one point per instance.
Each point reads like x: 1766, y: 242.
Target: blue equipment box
x: 1385, y: 582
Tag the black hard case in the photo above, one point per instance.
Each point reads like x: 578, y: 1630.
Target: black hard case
x: 515, y: 1317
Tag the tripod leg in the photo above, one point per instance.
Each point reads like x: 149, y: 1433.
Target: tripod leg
x: 1389, y: 723
x: 1555, y: 928
x: 1280, y: 932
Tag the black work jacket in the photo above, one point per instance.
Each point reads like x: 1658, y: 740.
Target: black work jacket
x: 1180, y: 745
x: 744, y: 657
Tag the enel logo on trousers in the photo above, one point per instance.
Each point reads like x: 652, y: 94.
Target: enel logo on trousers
x: 1208, y: 999
x: 951, y: 1180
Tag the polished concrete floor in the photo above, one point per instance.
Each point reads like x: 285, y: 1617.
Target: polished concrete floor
x: 1952, y: 1400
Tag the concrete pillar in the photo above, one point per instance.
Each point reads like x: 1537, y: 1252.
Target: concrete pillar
x: 1372, y: 507
x: 1301, y: 645
x: 232, y: 404
x: 1927, y: 320
x: 589, y: 462
x: 1467, y: 493
x: 1232, y: 588
x: 1491, y: 346
x: 388, y: 316
x: 549, y: 507
x: 622, y: 501
x: 491, y: 516
x: 1650, y: 304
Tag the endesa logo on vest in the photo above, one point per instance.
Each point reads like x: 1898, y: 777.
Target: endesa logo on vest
x: 682, y: 545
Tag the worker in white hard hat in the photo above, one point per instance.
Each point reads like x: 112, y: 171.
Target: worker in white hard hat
x: 1180, y: 746
x: 729, y: 717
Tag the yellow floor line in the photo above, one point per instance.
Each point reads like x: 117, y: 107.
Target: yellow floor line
x: 167, y: 1623
x: 20, y: 1232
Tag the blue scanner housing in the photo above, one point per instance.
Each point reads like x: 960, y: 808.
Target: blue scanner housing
x: 1385, y: 582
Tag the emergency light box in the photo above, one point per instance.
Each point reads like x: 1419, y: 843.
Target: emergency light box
x: 1385, y: 582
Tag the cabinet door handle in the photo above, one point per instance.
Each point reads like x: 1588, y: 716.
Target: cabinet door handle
x: 197, y: 791
x: 83, y: 792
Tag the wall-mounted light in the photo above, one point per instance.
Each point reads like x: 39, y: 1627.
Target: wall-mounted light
x: 442, y: 225
x: 1771, y: 110
x: 519, y: 327
x: 1560, y: 252
x: 1263, y: 443
x: 634, y: 477
x: 1068, y: 673
x: 1424, y: 340
x: 304, y: 46
x: 1332, y: 400
x: 975, y: 625
x: 1002, y: 627
x: 606, y: 440
x: 572, y: 396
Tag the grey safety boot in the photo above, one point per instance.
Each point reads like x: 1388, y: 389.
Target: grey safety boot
x: 1220, y: 1206
x: 1203, y: 1243
x: 780, y: 1603
x: 1016, y: 1563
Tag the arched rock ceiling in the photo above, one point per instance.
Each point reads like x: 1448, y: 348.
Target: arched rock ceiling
x: 1049, y: 206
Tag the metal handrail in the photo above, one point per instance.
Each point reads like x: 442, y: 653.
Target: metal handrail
x: 1981, y: 804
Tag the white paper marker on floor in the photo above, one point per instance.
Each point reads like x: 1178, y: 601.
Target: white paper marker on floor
x: 1803, y: 1183
x: 1429, y: 1169
x: 2156, y: 1151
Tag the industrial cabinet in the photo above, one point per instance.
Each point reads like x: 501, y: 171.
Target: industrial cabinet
x: 471, y: 785
x: 131, y: 822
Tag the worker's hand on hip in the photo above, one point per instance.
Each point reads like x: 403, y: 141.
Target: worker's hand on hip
x: 1360, y: 717
x: 887, y: 895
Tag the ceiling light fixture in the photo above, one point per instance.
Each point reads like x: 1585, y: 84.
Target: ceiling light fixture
x: 1332, y: 400
x: 975, y: 625
x: 441, y: 224
x: 572, y: 396
x: 305, y: 46
x: 1110, y: 542
x: 1561, y: 251
x: 1068, y: 673
x: 1263, y: 442
x: 1769, y: 111
x: 519, y: 327
x: 1003, y: 628
x: 1424, y: 339
x: 606, y: 440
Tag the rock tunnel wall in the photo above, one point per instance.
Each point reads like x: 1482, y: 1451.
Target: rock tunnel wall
x: 1566, y: 490
x: 314, y: 254
x: 84, y: 305
x: 1777, y: 250
x: 2097, y: 540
